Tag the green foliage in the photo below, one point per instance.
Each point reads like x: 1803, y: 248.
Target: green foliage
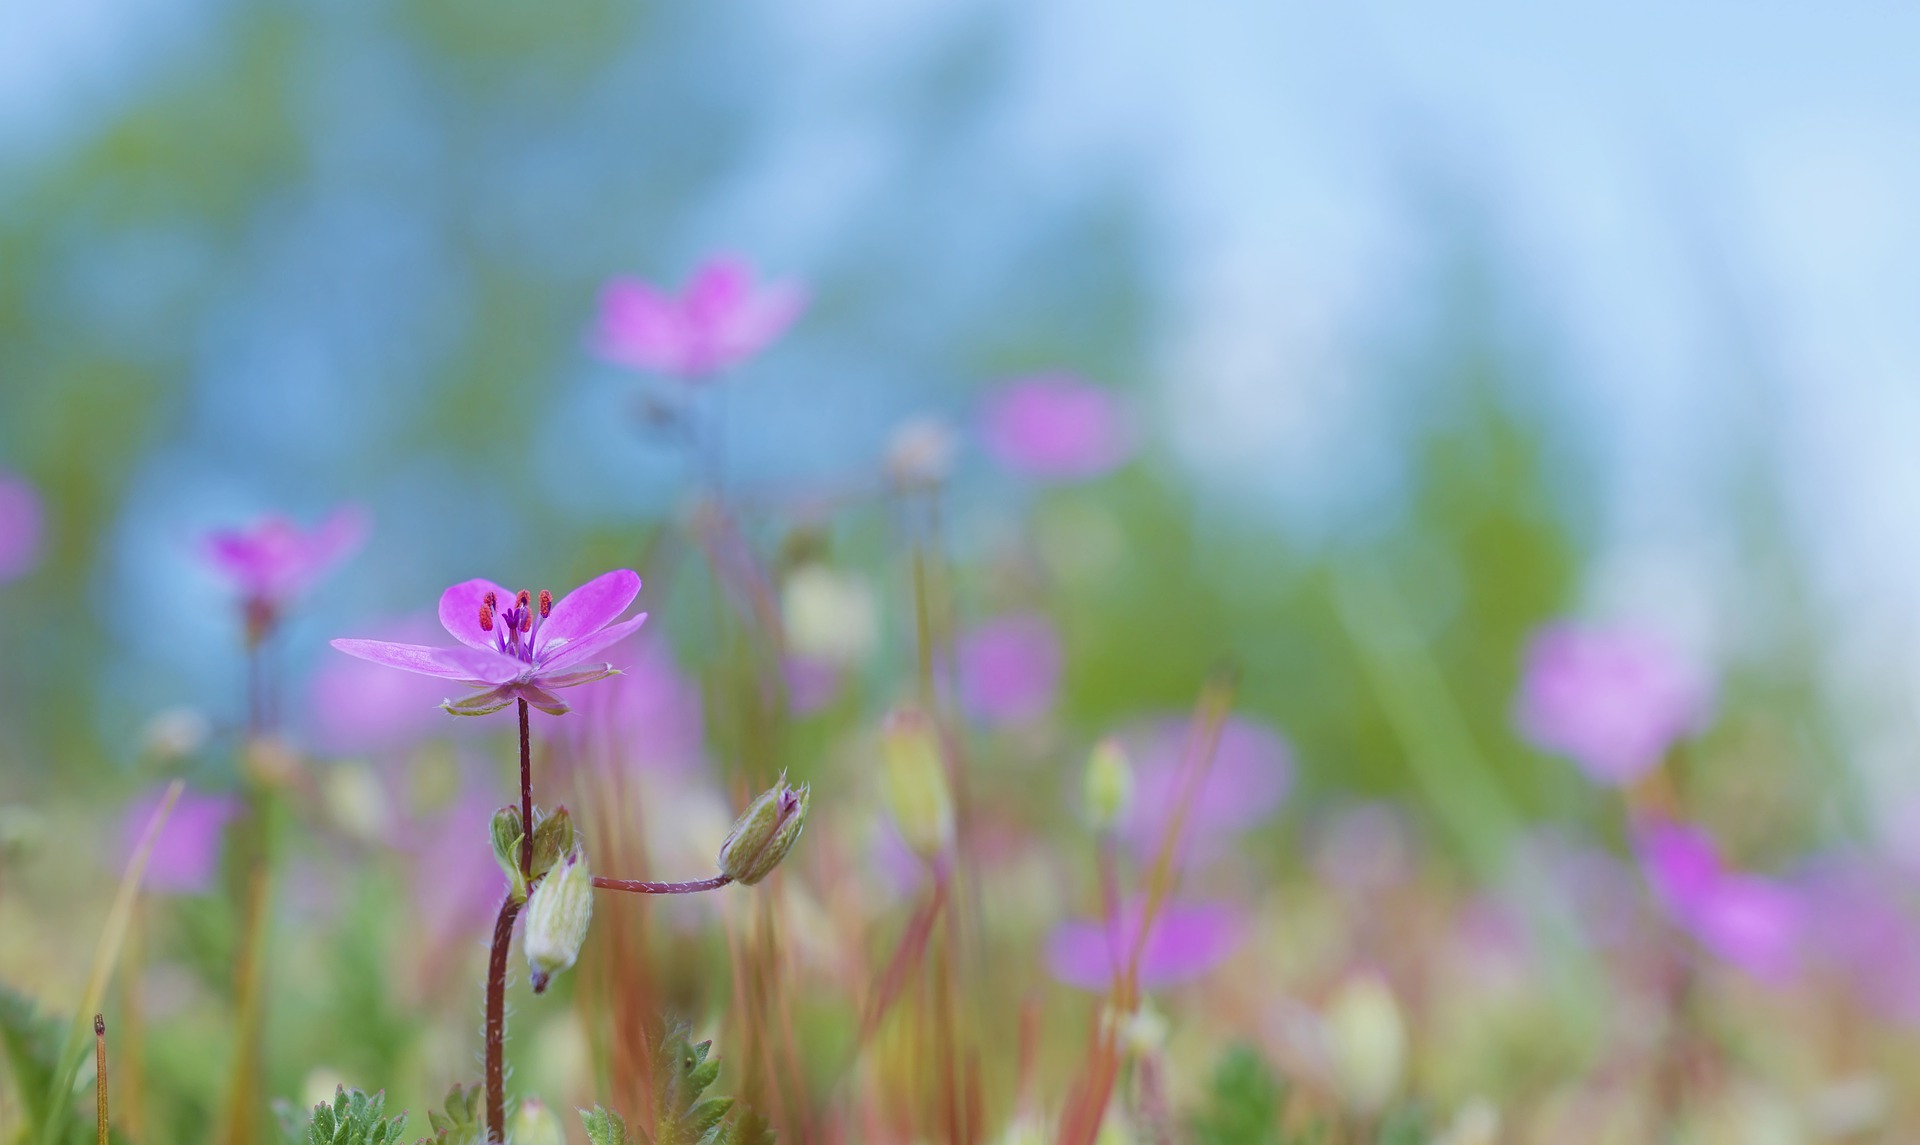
x: 32, y: 1044
x: 1244, y: 1102
x: 353, y: 1119
x: 604, y: 1127
x: 749, y: 1128
x: 459, y: 1123
x: 1406, y: 1125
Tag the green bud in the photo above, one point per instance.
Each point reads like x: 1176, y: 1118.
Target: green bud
x: 553, y: 836
x: 1107, y: 786
x: 557, y: 918
x: 506, y: 849
x: 916, y: 781
x: 535, y: 1124
x: 764, y: 833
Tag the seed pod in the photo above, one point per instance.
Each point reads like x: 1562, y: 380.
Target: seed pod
x: 916, y: 782
x: 535, y: 1124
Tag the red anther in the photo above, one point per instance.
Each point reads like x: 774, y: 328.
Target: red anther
x: 486, y: 614
x: 521, y: 600
x: 492, y: 599
x: 546, y: 603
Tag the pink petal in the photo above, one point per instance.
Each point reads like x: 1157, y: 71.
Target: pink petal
x: 589, y: 608
x: 756, y: 325
x: 1186, y: 942
x: 641, y: 328
x: 1056, y: 427
x: 717, y: 291
x: 20, y: 528
x: 573, y: 653
x: 468, y: 665
x: 1009, y: 668
x: 460, y: 612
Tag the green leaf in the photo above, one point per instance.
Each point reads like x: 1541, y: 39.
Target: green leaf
x: 32, y: 1044
x: 353, y: 1119
x: 459, y: 1122
x: 748, y: 1128
x: 682, y: 1072
x: 1243, y: 1102
x: 604, y: 1127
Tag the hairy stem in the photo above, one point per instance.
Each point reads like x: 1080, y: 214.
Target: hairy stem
x: 526, y: 797
x: 640, y: 887
x: 496, y: 1030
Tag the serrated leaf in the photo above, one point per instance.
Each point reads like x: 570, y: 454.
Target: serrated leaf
x: 458, y: 1122
x: 354, y: 1118
x: 605, y: 1127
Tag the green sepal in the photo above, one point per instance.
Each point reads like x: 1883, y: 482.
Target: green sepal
x: 506, y: 835
x: 553, y: 839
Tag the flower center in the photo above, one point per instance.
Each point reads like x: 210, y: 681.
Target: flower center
x: 515, y: 626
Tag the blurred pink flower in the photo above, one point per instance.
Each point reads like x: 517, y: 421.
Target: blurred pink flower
x: 517, y: 647
x: 1612, y: 700
x: 812, y: 683
x: 1752, y: 922
x: 356, y: 706
x: 1056, y: 427
x: 1864, y: 928
x: 720, y: 319
x: 1009, y: 668
x: 275, y: 559
x: 1186, y: 941
x: 1251, y: 771
x: 454, y: 895
x: 19, y: 528
x: 186, y: 855
x: 648, y: 716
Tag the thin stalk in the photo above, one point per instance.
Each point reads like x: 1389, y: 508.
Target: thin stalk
x: 496, y: 1029
x: 641, y: 887
x: 526, y: 797
x: 100, y: 1078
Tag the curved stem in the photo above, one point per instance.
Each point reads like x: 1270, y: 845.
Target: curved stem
x: 496, y: 1029
x: 639, y: 887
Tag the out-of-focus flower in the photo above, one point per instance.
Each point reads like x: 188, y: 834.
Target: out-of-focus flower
x: 358, y: 707
x: 275, y: 560
x: 1009, y: 668
x: 20, y: 524
x: 915, y: 781
x: 1366, y: 1042
x: 186, y: 853
x: 176, y: 733
x: 1364, y: 849
x: 1185, y: 942
x: 921, y: 452
x: 1863, y: 926
x: 721, y: 318
x: 648, y: 717
x: 1752, y: 922
x: 829, y: 615
x: 1056, y: 427
x: 1251, y: 770
x: 357, y: 802
x: 812, y: 683
x: 517, y: 647
x: 453, y: 896
x: 1611, y: 700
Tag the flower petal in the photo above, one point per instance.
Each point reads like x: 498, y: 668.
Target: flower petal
x: 569, y: 654
x: 578, y: 676
x: 460, y: 612
x: 476, y: 666
x: 541, y: 698
x: 481, y: 703
x: 588, y: 609
x: 640, y: 327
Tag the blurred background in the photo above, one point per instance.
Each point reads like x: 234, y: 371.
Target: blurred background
x: 1426, y: 327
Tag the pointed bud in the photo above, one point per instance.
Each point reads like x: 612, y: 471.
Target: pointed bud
x: 1107, y: 786
x: 553, y: 837
x: 764, y: 833
x: 916, y: 782
x: 557, y: 918
x: 535, y: 1124
x: 506, y: 848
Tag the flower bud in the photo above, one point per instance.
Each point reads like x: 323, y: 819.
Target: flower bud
x: 505, y: 831
x: 916, y: 782
x: 535, y: 1124
x: 553, y: 836
x: 1107, y: 786
x: 1367, y: 1042
x: 557, y: 918
x: 763, y: 835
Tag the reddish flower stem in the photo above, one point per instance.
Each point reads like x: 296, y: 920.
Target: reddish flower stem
x: 496, y: 1029
x: 639, y: 887
x: 526, y: 797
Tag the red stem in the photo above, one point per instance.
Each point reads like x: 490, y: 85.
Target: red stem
x: 639, y: 887
x: 526, y: 797
x: 497, y: 1020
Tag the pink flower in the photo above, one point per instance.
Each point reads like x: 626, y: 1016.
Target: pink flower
x: 1251, y: 771
x: 1185, y: 942
x: 275, y: 560
x: 517, y: 647
x: 19, y: 528
x: 720, y: 319
x: 1612, y: 700
x: 1864, y: 929
x: 186, y: 854
x: 1749, y: 921
x: 1056, y: 427
x: 812, y: 683
x: 1009, y: 668
x: 360, y: 707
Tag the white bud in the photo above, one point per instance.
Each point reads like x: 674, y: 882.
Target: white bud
x: 557, y: 916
